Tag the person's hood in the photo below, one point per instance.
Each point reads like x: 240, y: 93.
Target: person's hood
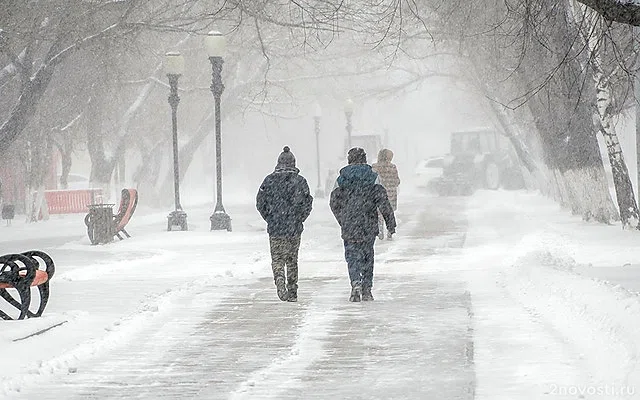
x: 357, y: 174
x: 385, y: 155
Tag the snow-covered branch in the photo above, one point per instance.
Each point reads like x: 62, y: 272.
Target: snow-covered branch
x: 623, y: 11
x: 11, y: 69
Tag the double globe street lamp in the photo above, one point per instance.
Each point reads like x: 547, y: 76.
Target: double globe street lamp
x: 174, y: 67
x: 215, y: 45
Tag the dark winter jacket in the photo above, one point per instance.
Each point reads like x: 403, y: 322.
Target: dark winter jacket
x: 284, y: 202
x: 355, y: 203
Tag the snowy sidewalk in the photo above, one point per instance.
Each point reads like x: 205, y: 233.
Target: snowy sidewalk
x: 250, y: 345
x: 236, y: 340
x: 482, y: 297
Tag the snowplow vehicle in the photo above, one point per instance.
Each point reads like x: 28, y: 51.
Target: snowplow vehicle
x: 478, y: 159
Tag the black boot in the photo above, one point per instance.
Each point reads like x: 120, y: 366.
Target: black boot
x: 292, y: 289
x: 281, y: 288
x: 366, y: 294
x: 293, y: 295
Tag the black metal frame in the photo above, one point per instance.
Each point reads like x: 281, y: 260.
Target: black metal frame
x: 102, y: 223
x: 19, y: 271
x: 220, y: 220
x: 177, y: 217
x: 349, y: 127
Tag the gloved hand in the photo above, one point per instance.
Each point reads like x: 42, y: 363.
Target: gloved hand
x: 392, y: 232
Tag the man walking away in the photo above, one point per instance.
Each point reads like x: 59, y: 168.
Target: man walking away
x: 284, y: 202
x: 388, y: 173
x: 355, y: 203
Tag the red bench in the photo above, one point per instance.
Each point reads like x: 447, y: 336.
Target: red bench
x: 103, y: 225
x: 128, y: 204
x: 20, y: 272
x: 71, y: 201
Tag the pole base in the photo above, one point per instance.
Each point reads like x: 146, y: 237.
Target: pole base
x: 319, y: 193
x: 220, y: 221
x: 177, y: 219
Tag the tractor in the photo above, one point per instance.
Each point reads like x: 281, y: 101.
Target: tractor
x: 480, y: 158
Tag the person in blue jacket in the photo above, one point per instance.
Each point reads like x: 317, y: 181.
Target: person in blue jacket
x: 355, y: 202
x: 284, y: 202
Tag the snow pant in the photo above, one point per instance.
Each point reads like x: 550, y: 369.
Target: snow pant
x: 392, y: 194
x: 359, y: 256
x: 284, y: 259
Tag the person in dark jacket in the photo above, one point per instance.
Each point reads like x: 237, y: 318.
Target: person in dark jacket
x: 284, y: 202
x: 355, y: 202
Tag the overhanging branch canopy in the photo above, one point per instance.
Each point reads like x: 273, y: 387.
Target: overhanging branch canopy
x: 623, y: 11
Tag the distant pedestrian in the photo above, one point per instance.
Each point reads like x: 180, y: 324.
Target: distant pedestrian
x: 388, y: 173
x: 355, y: 202
x: 284, y: 202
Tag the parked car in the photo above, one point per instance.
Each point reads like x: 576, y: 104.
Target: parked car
x: 427, y: 170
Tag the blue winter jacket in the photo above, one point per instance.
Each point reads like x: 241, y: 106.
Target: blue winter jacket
x: 355, y: 203
x: 284, y: 202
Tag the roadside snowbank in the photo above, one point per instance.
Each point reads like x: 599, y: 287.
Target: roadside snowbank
x: 542, y: 267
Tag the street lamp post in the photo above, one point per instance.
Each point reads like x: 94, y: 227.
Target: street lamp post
x: 348, y: 112
x: 215, y: 44
x: 316, y: 118
x: 174, y: 67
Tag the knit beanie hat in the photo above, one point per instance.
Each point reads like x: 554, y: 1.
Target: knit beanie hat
x: 286, y: 159
x: 357, y: 156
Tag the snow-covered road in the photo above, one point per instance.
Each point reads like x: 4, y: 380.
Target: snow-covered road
x: 464, y: 309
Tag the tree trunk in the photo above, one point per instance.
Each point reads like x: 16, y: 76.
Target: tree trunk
x: 590, y: 194
x: 31, y: 94
x: 624, y: 189
x: 40, y: 208
x: 187, y: 152
x: 66, y: 150
x: 150, y: 169
x: 101, y: 167
x: 603, y: 122
x: 517, y: 142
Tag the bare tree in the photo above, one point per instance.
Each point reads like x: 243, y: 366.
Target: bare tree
x: 525, y: 55
x: 624, y: 12
x: 597, y: 37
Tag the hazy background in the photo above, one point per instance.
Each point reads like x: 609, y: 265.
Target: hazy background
x: 418, y: 126
x: 85, y: 86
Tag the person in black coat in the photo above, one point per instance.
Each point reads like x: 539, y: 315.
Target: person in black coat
x: 284, y: 202
x: 355, y: 202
